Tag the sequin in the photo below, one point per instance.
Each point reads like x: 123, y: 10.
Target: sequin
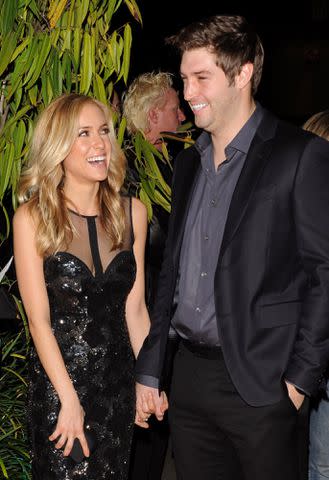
x: 88, y: 321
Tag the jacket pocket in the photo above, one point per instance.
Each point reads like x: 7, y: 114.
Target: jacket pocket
x: 280, y: 314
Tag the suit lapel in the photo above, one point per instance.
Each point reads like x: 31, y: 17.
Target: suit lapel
x: 256, y: 160
x: 184, y: 185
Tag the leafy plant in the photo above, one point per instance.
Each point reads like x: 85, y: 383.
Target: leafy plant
x: 150, y: 186
x: 47, y: 47
x: 14, y: 457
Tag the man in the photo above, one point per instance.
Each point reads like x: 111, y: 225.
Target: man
x: 245, y: 278
x: 151, y: 105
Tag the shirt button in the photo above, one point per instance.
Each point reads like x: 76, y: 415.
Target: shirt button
x: 198, y: 309
x: 213, y: 202
x: 206, y: 237
x: 204, y: 274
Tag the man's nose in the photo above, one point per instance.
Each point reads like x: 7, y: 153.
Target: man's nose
x: 189, y: 90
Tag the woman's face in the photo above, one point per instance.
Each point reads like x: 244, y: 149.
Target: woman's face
x: 89, y: 158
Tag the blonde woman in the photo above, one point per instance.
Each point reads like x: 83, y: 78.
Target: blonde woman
x: 79, y: 255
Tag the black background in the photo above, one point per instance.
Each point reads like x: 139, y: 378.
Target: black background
x: 295, y: 35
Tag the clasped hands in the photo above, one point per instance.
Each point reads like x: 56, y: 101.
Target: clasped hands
x: 148, y: 402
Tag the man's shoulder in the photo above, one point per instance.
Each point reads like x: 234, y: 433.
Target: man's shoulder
x: 192, y: 150
x: 283, y: 132
x: 291, y: 144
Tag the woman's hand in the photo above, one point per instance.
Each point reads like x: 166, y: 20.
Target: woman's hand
x: 148, y: 402
x: 70, y: 426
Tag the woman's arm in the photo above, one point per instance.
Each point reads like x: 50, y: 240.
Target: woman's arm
x: 29, y: 271
x: 137, y: 316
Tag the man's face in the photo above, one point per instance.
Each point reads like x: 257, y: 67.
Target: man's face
x: 207, y: 90
x: 170, y: 116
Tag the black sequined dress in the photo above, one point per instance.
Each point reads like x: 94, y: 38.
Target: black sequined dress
x: 87, y: 287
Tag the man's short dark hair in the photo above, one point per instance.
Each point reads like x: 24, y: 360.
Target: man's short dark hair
x: 231, y: 38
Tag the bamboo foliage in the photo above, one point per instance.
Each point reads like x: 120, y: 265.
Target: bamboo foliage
x: 151, y: 187
x: 14, y: 458
x: 48, y: 47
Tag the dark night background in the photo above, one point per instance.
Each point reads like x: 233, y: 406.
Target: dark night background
x: 295, y: 36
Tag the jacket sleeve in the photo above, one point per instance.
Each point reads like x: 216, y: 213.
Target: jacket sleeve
x: 310, y: 355
x: 150, y: 360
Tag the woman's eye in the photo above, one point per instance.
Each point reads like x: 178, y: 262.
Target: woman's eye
x: 105, y: 131
x: 83, y: 133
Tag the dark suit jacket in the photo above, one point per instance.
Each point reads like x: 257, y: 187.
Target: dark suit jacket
x: 272, y: 277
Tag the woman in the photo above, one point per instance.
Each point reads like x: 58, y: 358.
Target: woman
x: 79, y: 256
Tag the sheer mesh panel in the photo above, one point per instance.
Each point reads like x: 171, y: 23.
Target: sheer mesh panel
x: 87, y: 234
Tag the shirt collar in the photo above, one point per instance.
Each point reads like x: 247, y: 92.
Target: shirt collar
x: 243, y: 138
x: 241, y: 141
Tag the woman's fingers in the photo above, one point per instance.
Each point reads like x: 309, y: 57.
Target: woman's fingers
x: 165, y: 403
x: 140, y: 421
x: 65, y: 439
x: 68, y: 446
x: 56, y: 433
x: 68, y: 442
x: 61, y: 441
x: 84, y: 444
x: 147, y: 403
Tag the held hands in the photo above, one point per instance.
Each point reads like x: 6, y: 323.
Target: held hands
x: 70, y: 426
x: 296, y: 397
x: 149, y: 401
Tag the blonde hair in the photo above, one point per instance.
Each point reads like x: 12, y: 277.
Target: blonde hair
x: 145, y: 92
x: 42, y: 180
x: 318, y: 124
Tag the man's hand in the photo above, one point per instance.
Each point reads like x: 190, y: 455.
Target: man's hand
x: 296, y: 397
x: 149, y: 401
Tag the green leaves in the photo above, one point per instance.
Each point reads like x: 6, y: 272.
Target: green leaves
x: 14, y: 457
x: 7, y: 49
x: 127, y: 39
x: 152, y: 189
x: 73, y: 49
x: 86, y: 67
x: 134, y: 10
x: 47, y: 47
x: 56, y: 9
x: 8, y: 13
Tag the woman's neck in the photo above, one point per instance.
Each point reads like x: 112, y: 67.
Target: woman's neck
x: 82, y: 200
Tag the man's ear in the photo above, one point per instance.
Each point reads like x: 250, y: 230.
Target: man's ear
x: 244, y: 77
x: 153, y: 116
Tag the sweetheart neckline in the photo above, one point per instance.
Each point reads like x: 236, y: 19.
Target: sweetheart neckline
x: 86, y: 266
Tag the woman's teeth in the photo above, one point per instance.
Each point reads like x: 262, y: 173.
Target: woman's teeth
x: 100, y: 158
